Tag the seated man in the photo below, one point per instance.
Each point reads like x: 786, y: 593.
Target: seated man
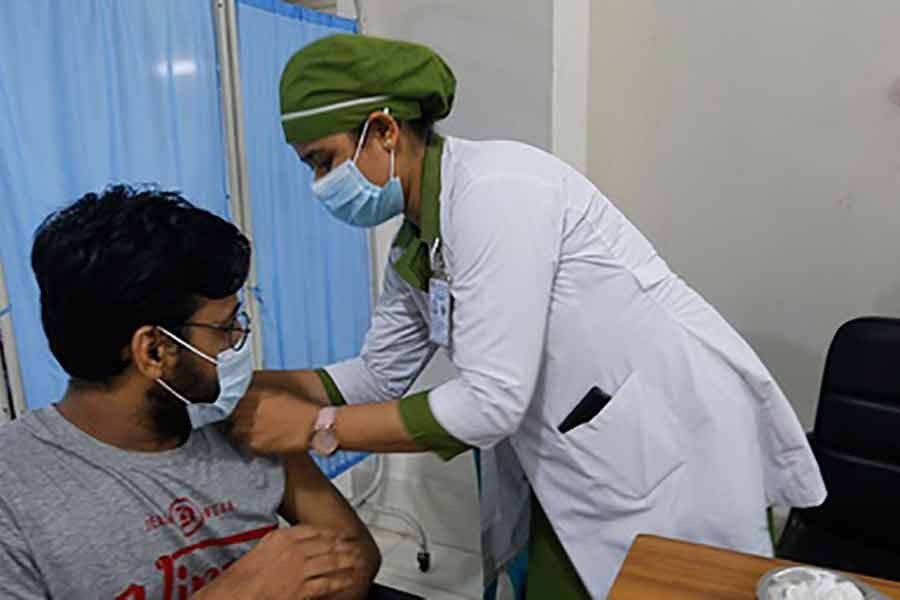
x: 126, y: 488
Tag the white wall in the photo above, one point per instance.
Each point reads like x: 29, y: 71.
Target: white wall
x: 758, y: 145
x: 501, y: 52
x: 571, y: 61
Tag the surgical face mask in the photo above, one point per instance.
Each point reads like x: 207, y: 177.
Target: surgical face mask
x: 234, y: 369
x: 355, y: 200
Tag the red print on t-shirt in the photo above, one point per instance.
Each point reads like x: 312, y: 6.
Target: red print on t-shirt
x: 188, y: 516
x: 184, y: 513
x: 178, y: 582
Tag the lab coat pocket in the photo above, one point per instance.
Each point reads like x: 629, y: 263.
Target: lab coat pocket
x: 632, y: 445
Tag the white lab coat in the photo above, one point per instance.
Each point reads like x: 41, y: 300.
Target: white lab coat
x: 555, y: 292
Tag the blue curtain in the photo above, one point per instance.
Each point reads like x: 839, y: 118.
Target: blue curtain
x: 94, y: 92
x: 312, y: 270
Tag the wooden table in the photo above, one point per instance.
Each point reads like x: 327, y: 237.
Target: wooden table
x: 671, y: 570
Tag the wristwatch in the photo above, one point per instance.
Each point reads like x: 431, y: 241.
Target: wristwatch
x: 324, y: 439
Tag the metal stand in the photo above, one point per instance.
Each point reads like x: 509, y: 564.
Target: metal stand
x: 228, y: 53
x: 12, y: 402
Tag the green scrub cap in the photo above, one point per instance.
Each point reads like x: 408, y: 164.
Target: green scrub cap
x: 335, y: 83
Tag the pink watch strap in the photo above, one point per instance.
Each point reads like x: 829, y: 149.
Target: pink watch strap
x: 325, y: 418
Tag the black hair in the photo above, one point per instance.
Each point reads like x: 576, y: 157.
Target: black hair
x: 422, y: 128
x: 111, y: 263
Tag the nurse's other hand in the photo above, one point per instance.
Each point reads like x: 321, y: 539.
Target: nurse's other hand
x: 273, y: 422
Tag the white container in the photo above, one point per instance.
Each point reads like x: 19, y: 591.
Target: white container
x: 813, y: 583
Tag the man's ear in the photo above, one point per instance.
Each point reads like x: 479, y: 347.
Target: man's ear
x: 154, y: 355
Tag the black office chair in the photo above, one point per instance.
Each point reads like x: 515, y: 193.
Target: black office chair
x: 856, y: 440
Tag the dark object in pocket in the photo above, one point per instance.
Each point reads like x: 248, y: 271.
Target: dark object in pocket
x: 589, y: 407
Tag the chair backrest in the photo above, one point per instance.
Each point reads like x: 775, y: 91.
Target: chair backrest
x: 859, y: 404
x: 856, y: 438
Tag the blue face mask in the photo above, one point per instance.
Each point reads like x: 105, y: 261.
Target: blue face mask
x: 355, y: 200
x: 234, y: 369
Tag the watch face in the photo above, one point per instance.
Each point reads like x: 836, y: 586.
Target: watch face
x: 324, y: 442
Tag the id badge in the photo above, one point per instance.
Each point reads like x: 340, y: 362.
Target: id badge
x: 439, y: 306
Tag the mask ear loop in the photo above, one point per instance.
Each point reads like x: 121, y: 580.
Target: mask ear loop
x: 172, y: 391
x: 181, y: 342
x: 362, y: 139
x: 200, y: 353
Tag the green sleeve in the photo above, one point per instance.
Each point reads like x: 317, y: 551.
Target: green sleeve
x: 425, y: 429
x: 335, y: 397
x: 417, y: 418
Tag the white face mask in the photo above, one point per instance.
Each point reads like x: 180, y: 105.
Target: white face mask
x: 234, y: 369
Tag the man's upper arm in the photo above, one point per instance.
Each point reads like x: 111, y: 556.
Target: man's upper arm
x: 310, y: 498
x: 19, y: 575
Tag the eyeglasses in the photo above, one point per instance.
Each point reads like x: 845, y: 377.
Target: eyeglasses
x: 238, y: 329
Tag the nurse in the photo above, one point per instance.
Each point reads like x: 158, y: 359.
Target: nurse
x: 610, y: 398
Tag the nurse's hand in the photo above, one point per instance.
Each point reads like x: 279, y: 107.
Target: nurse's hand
x: 273, y: 422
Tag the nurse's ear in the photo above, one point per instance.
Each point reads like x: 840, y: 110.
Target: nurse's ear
x: 385, y: 129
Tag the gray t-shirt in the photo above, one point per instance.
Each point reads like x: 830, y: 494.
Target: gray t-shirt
x: 80, y: 519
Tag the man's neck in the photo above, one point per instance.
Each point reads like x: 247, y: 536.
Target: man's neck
x: 115, y: 415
